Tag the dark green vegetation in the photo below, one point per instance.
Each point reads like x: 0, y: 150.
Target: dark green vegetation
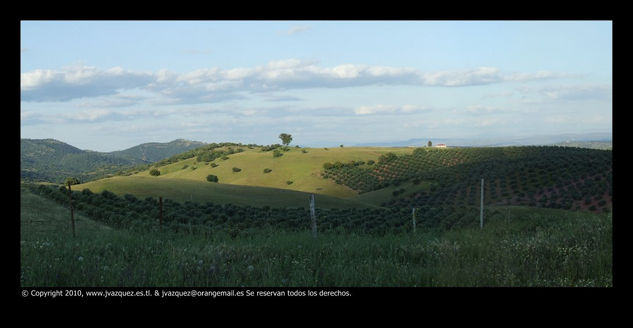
x: 212, y: 178
x: 49, y: 160
x: 518, y: 247
x: 554, y: 177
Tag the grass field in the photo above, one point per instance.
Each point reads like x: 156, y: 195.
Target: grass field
x: 187, y: 179
x: 303, y: 169
x: 524, y: 247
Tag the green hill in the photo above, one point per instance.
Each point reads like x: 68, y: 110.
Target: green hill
x: 302, y: 166
x: 50, y: 160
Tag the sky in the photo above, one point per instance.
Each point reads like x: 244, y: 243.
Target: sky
x: 111, y: 85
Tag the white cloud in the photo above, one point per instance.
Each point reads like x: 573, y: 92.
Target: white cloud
x: 217, y: 84
x: 78, y: 82
x: 477, y: 76
x: 382, y: 109
x: 88, y: 115
x: 480, y: 109
x: 566, y: 93
x: 540, y: 75
x: 297, y: 29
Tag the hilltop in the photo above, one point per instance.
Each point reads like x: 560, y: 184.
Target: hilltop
x: 155, y: 151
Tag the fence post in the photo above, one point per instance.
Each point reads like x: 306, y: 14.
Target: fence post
x: 313, y: 215
x: 413, y: 214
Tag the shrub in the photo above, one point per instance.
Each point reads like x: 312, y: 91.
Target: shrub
x: 214, y: 165
x: 236, y: 169
x: 271, y: 147
x: 267, y: 170
x: 154, y: 172
x: 288, y: 182
x: 304, y: 151
x: 225, y: 157
x: 277, y: 153
x: 212, y: 178
x: 327, y: 165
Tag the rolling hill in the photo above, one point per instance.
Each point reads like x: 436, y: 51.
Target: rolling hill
x: 537, y: 176
x: 50, y: 160
x: 185, y: 179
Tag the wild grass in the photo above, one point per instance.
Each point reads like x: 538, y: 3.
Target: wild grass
x: 525, y: 247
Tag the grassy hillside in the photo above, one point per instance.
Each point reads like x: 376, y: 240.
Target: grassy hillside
x: 302, y: 166
x: 522, y: 247
x: 182, y: 190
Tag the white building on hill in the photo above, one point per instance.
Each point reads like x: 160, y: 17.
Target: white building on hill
x: 440, y: 146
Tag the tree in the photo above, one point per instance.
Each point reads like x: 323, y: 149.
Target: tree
x: 429, y: 144
x: 285, y: 138
x: 154, y: 172
x: 69, y: 182
x: 212, y: 178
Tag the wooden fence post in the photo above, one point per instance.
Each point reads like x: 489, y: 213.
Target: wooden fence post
x: 313, y: 215
x: 413, y: 214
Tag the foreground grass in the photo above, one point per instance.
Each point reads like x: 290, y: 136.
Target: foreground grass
x: 526, y: 247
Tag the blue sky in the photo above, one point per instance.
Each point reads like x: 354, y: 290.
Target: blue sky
x: 110, y: 85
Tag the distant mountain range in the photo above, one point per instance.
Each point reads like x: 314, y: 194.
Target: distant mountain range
x: 51, y: 160
x: 499, y: 142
